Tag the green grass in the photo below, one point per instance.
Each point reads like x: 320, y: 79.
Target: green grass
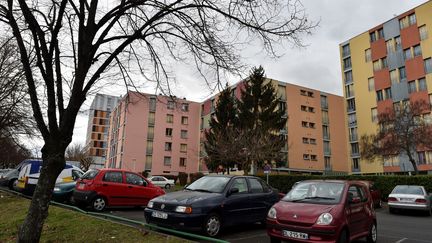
x: 63, y: 225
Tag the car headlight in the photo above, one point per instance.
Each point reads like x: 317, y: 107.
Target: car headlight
x: 150, y: 204
x: 324, y: 219
x: 272, y: 213
x: 57, y: 189
x: 183, y: 209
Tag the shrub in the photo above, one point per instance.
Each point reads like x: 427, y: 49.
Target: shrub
x: 183, y: 178
x: 385, y: 183
x: 195, y: 176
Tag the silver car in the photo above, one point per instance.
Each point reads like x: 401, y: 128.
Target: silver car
x: 161, y: 181
x: 410, y: 197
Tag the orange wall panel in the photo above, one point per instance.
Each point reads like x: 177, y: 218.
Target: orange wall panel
x: 410, y: 36
x: 384, y: 106
x: 382, y: 79
x: 414, y: 68
x: 421, y: 95
x: 378, y: 49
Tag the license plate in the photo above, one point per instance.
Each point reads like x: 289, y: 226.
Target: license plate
x: 80, y: 186
x: 160, y: 215
x: 296, y: 235
x: 406, y: 200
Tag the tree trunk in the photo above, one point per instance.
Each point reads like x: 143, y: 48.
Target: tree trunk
x: 53, y: 163
x: 414, y: 164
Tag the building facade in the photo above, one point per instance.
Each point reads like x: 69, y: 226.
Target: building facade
x: 97, y: 129
x: 154, y: 133
x: 382, y: 67
x: 315, y: 142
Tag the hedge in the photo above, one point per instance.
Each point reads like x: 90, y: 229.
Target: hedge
x: 385, y: 183
x: 182, y: 178
x: 195, y: 176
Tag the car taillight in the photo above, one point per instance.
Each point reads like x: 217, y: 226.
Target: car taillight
x: 420, y: 200
x: 392, y: 199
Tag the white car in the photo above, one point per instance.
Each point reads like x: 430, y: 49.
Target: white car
x: 410, y: 197
x: 161, y: 181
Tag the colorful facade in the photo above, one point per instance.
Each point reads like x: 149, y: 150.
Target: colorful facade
x: 382, y: 67
x: 154, y: 133
x: 315, y: 142
x: 97, y: 129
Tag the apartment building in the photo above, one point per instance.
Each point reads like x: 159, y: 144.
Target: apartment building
x: 97, y: 129
x: 315, y: 141
x: 382, y: 67
x: 154, y: 133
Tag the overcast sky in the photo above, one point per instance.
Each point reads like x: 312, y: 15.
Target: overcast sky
x: 316, y: 66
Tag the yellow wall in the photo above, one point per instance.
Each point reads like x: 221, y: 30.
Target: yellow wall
x: 423, y: 15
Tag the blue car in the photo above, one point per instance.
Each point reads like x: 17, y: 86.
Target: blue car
x: 213, y: 202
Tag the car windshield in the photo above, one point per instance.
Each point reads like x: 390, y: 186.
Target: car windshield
x: 415, y: 190
x: 90, y: 174
x: 316, y: 192
x: 209, y: 184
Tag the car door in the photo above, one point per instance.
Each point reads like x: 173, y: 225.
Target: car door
x: 113, y: 188
x: 259, y: 200
x: 236, y: 207
x: 138, y: 190
x: 356, y: 214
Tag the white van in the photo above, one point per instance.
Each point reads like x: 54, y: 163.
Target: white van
x: 30, y: 172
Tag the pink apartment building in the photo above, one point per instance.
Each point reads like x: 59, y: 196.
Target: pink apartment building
x: 154, y: 133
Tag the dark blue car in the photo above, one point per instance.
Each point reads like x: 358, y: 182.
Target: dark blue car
x: 213, y: 202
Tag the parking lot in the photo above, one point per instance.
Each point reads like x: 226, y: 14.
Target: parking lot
x: 406, y: 227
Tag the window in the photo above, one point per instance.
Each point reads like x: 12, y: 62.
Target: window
x: 184, y: 134
x: 168, y: 146
x: 113, y: 176
x: 306, y: 156
x: 402, y: 74
x: 374, y: 114
x: 407, y: 54
x: 327, y: 150
x: 377, y: 65
x: 398, y: 43
x: 170, y: 105
x: 380, y: 34
x: 394, y: 76
x: 368, y: 55
x: 351, y: 105
x: 371, y: 84
x: 354, y: 149
x: 326, y: 132
x: 390, y: 46
x: 423, y: 32
x: 428, y: 65
x: 303, y: 92
x: 327, y: 162
x: 417, y: 51
x: 183, y: 148
x: 353, y: 134
x: 169, y: 118
x: 183, y: 162
x: 311, y: 125
x: 412, y: 87
x: 348, y: 77
x: 150, y: 133
x: 167, y: 161
x: 347, y: 63
x: 310, y: 94
x: 304, y: 124
x: 152, y: 104
x: 240, y: 184
x: 168, y: 132
x: 303, y: 108
x: 325, y: 117
x: 311, y: 109
x: 312, y: 141
x: 421, y: 158
x: 412, y: 19
x: 151, y: 118
x: 255, y: 186
x: 352, y: 119
x: 149, y: 148
x: 403, y: 23
x: 305, y: 140
x: 313, y: 157
x: 356, y: 163
x: 349, y: 90
x: 379, y: 95
x: 388, y: 93
x: 185, y: 107
x: 422, y: 84
x: 345, y: 50
x: 372, y: 37
x: 184, y: 120
x: 324, y: 103
x: 134, y: 179
x: 212, y: 105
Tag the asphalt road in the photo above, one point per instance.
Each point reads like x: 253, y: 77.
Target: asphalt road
x: 406, y: 227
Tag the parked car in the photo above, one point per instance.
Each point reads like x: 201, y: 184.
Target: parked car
x: 10, y: 178
x: 113, y: 187
x: 375, y: 193
x: 161, y: 181
x: 213, y: 202
x: 410, y: 197
x: 323, y: 211
x: 63, y: 191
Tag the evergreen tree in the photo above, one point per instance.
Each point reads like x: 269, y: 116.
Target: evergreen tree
x: 219, y: 144
x: 260, y: 119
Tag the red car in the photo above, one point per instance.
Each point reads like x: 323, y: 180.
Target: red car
x: 114, y: 187
x: 323, y: 211
x: 375, y: 193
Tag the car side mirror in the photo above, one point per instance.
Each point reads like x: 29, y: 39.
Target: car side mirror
x: 233, y: 190
x: 354, y: 200
x: 185, y: 186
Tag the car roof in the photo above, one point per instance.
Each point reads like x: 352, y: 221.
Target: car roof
x: 336, y: 181
x: 231, y: 176
x: 119, y: 170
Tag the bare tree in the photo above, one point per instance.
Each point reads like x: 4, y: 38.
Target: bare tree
x: 11, y: 153
x: 402, y: 131
x: 77, y: 43
x: 76, y: 152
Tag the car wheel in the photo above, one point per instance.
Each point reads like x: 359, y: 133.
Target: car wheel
x: 99, y: 204
x: 373, y: 234
x: 274, y: 240
x: 212, y: 225
x: 12, y: 183
x: 167, y: 186
x: 343, y: 237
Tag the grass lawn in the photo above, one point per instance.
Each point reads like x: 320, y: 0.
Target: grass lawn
x: 64, y: 225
